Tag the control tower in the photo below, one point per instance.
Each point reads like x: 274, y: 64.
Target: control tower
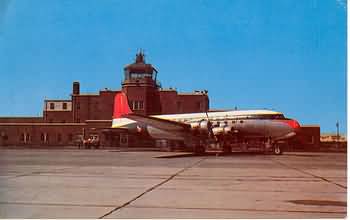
x: 141, y: 87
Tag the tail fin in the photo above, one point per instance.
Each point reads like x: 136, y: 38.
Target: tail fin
x: 121, y: 105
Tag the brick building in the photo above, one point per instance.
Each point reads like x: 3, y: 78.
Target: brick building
x: 65, y: 121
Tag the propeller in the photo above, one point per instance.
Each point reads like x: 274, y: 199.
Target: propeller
x: 210, y: 126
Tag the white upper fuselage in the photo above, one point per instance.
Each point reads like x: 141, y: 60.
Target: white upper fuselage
x: 195, y: 117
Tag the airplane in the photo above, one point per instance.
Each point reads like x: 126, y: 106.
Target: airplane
x: 197, y: 130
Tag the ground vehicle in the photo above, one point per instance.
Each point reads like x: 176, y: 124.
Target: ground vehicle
x: 92, y: 142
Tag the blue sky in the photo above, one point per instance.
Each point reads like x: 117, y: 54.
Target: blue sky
x: 285, y: 55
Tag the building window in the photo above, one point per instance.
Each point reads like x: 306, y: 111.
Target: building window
x: 52, y: 106
x: 141, y: 105
x: 27, y: 137
x: 44, y: 137
x: 64, y: 105
x: 137, y: 105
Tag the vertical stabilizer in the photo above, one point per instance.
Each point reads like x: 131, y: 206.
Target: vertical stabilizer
x: 121, y: 105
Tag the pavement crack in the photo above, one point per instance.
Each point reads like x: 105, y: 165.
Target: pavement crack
x: 310, y: 174
x: 152, y: 188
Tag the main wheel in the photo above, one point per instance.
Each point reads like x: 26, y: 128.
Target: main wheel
x: 277, y: 150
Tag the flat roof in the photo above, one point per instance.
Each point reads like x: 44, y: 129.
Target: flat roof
x: 41, y: 123
x: 310, y: 126
x: 57, y: 100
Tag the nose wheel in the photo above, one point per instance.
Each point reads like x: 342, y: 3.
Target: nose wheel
x: 277, y: 149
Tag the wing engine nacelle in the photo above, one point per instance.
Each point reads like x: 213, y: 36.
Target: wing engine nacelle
x: 223, y: 130
x: 201, y: 126
x: 139, y: 129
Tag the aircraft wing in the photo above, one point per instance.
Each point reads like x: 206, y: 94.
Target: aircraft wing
x: 162, y: 124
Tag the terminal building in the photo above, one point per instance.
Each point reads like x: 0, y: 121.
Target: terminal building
x: 67, y: 122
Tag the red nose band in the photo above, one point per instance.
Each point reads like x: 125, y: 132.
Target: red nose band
x: 293, y: 123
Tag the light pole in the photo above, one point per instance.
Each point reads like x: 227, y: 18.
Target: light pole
x: 337, y: 125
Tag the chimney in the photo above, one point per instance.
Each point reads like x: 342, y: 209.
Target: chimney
x: 76, y: 88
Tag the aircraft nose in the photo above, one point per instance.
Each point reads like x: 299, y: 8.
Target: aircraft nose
x: 294, y: 124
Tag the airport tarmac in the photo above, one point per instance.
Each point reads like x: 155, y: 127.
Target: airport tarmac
x: 112, y: 184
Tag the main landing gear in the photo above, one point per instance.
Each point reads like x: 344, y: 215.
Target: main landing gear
x: 277, y: 149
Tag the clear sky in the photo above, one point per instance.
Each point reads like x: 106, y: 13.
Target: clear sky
x: 285, y: 55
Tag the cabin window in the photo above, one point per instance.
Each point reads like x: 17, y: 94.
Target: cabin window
x: 64, y: 105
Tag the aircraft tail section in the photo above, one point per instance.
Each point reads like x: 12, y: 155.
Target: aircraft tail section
x: 121, y: 105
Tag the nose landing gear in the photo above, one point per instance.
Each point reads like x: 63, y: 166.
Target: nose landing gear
x: 277, y: 149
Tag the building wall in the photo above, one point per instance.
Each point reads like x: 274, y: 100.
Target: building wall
x: 21, y: 119
x: 58, y: 116
x: 174, y: 103
x: 168, y: 100
x: 39, y: 134
x: 93, y: 107
x: 193, y: 103
x: 307, y: 138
